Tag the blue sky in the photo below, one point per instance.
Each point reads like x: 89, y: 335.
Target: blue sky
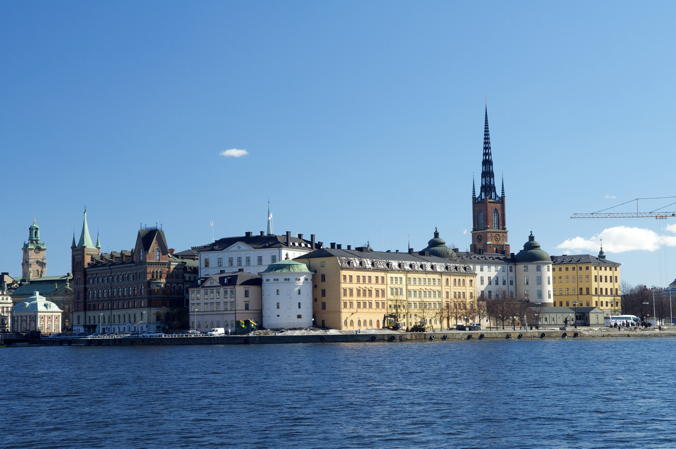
x: 362, y: 120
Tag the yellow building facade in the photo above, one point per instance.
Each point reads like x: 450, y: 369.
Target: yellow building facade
x: 365, y: 289
x: 587, y: 281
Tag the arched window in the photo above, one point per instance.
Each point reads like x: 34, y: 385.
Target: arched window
x: 481, y: 219
x: 496, y: 219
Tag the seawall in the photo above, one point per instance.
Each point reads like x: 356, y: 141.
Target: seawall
x: 389, y: 337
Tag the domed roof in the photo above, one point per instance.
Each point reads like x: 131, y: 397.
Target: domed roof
x: 36, y: 303
x: 436, y: 246
x: 532, y: 252
x: 287, y: 266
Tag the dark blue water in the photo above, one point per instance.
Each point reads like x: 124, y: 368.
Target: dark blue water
x: 521, y: 394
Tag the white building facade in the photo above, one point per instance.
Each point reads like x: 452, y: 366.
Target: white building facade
x: 495, y: 275
x: 287, y: 296
x: 221, y: 301
x: 250, y: 253
x: 534, y: 274
x: 5, y: 311
x: 36, y: 314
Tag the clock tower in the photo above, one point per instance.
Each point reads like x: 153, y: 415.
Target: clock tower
x: 34, y: 261
x: 489, y: 229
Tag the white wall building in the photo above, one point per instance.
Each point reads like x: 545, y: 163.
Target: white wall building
x: 287, y: 295
x: 5, y: 311
x: 534, y: 274
x: 495, y: 275
x: 36, y: 314
x: 220, y: 301
x: 250, y: 253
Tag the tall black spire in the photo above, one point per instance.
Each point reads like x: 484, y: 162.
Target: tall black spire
x: 487, y: 176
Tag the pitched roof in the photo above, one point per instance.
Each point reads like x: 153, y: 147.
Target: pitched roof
x: 405, y: 261
x: 46, y: 285
x: 256, y: 242
x: 239, y: 278
x: 582, y: 258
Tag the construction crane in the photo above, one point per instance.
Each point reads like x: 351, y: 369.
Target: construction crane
x: 658, y: 213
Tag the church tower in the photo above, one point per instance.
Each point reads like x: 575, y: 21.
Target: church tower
x: 489, y: 230
x: 34, y: 261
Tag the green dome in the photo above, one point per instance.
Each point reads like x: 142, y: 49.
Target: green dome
x: 436, y: 247
x: 287, y: 266
x: 532, y: 252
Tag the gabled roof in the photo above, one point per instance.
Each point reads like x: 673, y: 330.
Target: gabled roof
x: 582, y: 258
x: 145, y: 239
x: 256, y: 242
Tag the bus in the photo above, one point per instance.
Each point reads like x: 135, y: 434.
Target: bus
x: 622, y: 320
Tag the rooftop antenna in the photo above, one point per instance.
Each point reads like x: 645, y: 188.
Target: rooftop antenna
x: 269, y: 219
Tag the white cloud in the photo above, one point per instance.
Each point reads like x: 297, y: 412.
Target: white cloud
x: 234, y: 152
x: 608, y: 196
x: 621, y: 239
x: 672, y: 228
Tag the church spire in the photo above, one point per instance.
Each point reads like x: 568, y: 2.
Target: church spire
x: 98, y: 242
x: 473, y: 188
x: 487, y: 176
x: 73, y: 245
x: 85, y: 238
x: 503, y: 187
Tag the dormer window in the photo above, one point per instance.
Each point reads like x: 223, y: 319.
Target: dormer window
x: 158, y: 253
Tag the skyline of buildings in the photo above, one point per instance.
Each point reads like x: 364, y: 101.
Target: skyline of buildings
x: 154, y: 288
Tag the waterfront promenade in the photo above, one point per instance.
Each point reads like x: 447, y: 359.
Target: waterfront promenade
x: 349, y: 337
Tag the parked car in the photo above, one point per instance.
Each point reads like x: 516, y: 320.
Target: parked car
x: 474, y: 327
x: 460, y: 327
x: 216, y: 332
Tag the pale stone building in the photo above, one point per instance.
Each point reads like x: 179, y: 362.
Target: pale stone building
x: 287, y: 295
x: 5, y: 311
x: 36, y: 314
x: 220, y: 301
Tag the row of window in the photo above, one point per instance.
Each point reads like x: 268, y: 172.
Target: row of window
x: 586, y: 291
x: 587, y: 278
x: 363, y: 304
x: 587, y: 268
x: 361, y: 292
x: 238, y: 261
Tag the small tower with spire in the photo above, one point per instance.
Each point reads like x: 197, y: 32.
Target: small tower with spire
x: 489, y: 229
x: 269, y: 221
x: 82, y: 255
x: 34, y: 260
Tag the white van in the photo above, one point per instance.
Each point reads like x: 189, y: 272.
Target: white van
x: 216, y: 332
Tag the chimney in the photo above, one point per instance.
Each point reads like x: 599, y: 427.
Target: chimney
x: 247, y: 234
x: 339, y: 246
x: 262, y: 233
x: 300, y: 236
x: 312, y: 241
x: 410, y: 250
x: 171, y: 250
x: 320, y: 244
x: 349, y: 247
x: 333, y: 245
x: 288, y: 238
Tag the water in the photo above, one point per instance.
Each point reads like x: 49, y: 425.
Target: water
x: 526, y: 394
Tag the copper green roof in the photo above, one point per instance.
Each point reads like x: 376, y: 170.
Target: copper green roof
x: 532, y: 252
x: 85, y: 238
x: 287, y: 266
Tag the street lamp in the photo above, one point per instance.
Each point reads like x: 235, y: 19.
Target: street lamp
x: 654, y: 314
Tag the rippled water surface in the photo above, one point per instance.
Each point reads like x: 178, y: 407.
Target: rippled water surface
x: 522, y: 394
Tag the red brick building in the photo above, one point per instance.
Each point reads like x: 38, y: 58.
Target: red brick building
x: 141, y: 290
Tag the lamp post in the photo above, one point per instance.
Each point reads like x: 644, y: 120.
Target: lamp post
x: 671, y: 312
x: 645, y: 303
x: 654, y: 314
